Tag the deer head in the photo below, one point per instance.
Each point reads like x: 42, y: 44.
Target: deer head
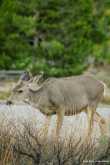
x: 21, y: 88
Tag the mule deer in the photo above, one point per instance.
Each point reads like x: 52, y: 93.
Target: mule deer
x: 64, y: 96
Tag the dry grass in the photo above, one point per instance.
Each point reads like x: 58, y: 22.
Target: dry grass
x: 29, y: 146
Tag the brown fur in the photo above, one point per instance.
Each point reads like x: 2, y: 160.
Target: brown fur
x: 66, y: 96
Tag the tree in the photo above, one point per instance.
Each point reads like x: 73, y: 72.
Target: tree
x: 51, y: 36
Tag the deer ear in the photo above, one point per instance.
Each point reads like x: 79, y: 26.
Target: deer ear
x: 34, y: 90
x: 26, y: 76
x: 33, y: 87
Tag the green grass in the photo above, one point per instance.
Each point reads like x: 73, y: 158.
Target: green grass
x: 4, y: 95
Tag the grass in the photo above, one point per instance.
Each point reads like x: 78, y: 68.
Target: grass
x: 4, y: 95
x: 30, y: 146
x: 6, y: 87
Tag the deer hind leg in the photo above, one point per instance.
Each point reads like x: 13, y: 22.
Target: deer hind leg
x: 102, y: 123
x: 60, y: 117
x: 90, y: 114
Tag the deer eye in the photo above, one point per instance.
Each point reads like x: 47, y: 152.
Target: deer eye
x: 20, y: 91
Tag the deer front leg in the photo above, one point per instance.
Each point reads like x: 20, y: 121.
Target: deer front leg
x: 90, y: 115
x: 60, y: 117
x: 47, y: 123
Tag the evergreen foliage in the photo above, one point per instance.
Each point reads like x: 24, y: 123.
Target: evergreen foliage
x: 54, y: 36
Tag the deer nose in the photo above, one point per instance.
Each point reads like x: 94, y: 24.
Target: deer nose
x: 9, y: 102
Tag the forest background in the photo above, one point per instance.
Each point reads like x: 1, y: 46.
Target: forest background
x: 57, y: 37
